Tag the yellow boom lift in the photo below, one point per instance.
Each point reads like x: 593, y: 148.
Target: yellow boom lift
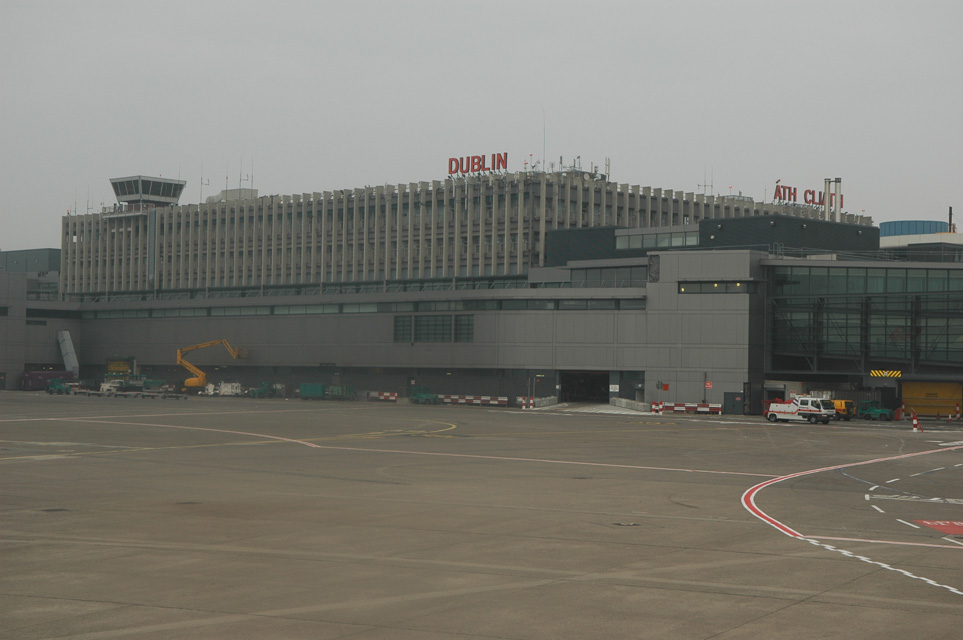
x: 199, y: 381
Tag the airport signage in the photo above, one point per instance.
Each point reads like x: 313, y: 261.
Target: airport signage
x: 478, y: 164
x: 785, y: 193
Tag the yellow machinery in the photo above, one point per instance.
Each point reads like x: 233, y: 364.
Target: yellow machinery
x: 199, y: 381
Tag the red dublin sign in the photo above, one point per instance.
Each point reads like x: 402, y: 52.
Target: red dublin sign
x: 478, y: 164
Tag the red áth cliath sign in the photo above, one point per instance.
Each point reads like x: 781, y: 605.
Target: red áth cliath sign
x: 478, y: 164
x: 810, y: 196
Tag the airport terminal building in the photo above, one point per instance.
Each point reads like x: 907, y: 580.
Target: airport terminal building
x: 564, y: 284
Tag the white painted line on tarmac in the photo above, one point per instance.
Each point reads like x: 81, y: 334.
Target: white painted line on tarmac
x: 877, y: 508
x: 875, y: 486
x: 749, y: 503
x: 893, y: 480
x: 850, y: 554
x: 908, y: 524
x: 949, y: 539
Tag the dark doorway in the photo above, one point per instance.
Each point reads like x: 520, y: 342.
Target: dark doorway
x: 585, y: 386
x: 733, y: 403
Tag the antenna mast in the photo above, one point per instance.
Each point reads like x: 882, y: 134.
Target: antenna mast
x: 705, y: 183
x: 200, y: 196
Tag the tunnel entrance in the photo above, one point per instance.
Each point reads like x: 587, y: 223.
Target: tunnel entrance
x: 585, y: 386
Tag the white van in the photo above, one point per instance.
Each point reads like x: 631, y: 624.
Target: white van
x: 802, y: 408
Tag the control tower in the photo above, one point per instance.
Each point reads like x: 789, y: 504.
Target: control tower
x: 140, y: 193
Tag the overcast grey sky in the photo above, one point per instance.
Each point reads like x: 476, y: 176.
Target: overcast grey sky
x: 328, y: 95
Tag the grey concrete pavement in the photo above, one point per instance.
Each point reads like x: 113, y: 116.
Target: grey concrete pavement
x: 238, y: 518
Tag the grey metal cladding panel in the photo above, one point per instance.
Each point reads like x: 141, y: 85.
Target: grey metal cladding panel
x: 630, y: 328
x: 631, y: 357
x: 585, y: 357
x: 428, y: 354
x: 364, y: 329
x: 715, y: 329
x: 486, y: 327
x: 524, y: 356
x: 38, y: 348
x: 700, y: 265
x: 475, y: 355
x: 586, y: 326
x: 714, y: 358
x: 663, y: 328
x: 525, y: 328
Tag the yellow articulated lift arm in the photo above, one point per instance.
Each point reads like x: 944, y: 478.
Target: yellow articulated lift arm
x: 199, y: 381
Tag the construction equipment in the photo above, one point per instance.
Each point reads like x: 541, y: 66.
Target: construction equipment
x: 873, y: 410
x: 263, y: 390
x: 199, y: 381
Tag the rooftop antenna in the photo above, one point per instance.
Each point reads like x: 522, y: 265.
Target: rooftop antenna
x: 200, y: 196
x: 543, y: 137
x: 706, y: 183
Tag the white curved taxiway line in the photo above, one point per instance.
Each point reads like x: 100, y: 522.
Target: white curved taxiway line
x: 749, y: 502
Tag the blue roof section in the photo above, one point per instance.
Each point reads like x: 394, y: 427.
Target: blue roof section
x: 912, y: 227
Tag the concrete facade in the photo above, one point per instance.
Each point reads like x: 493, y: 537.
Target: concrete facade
x: 463, y: 227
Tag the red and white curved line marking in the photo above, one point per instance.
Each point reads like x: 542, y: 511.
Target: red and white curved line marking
x: 749, y: 502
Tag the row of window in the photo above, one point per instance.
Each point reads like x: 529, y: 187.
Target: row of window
x: 923, y: 329
x: 717, y: 287
x: 657, y: 240
x: 437, y: 328
x: 859, y: 280
x: 610, y: 277
x: 625, y: 304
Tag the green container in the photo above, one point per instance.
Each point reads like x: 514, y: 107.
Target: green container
x: 339, y: 392
x: 311, y: 391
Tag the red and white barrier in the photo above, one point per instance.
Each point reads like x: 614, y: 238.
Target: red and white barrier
x: 388, y: 396
x: 497, y: 401
x: 916, y: 423
x: 657, y: 408
x: 689, y: 407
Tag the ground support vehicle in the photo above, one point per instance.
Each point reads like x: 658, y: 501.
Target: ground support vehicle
x: 57, y: 386
x: 421, y: 395
x: 199, y: 381
x: 873, y: 410
x: 263, y: 390
x: 845, y: 410
x: 801, y: 409
x: 37, y: 380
